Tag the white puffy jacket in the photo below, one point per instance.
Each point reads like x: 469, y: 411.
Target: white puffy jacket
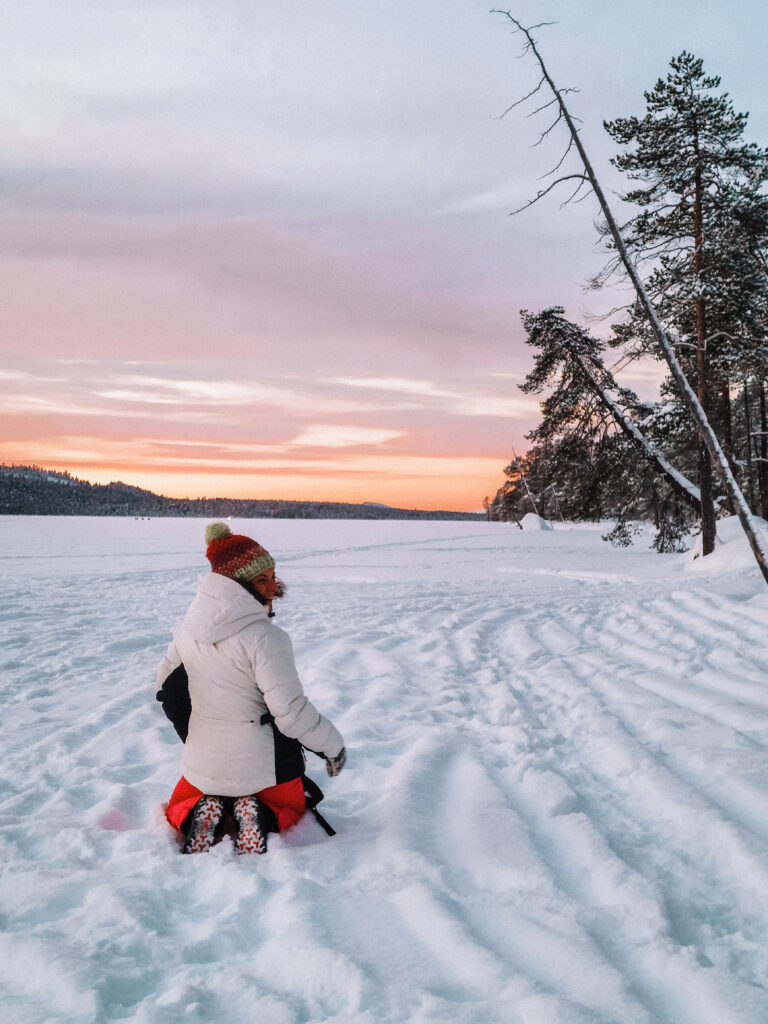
x: 240, y: 666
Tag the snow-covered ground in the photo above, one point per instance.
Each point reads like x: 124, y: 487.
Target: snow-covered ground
x: 555, y: 808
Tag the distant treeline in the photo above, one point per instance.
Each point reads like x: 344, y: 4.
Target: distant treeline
x: 33, y: 491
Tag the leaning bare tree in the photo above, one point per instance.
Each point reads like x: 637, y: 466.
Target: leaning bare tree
x: 588, y: 177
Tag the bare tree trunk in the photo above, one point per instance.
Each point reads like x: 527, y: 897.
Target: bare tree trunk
x: 763, y: 463
x: 663, y: 340
x: 708, y: 528
x: 726, y: 431
x: 525, y: 484
x: 726, y: 416
x: 750, y: 464
x: 557, y: 503
x: 708, y: 523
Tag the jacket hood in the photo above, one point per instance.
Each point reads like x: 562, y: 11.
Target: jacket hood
x: 221, y: 608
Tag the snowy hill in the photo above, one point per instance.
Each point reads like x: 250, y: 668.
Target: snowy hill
x: 555, y: 808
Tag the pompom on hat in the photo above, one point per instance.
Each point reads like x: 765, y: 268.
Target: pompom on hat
x: 233, y: 555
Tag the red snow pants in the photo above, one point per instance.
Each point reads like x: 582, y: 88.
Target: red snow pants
x: 286, y: 800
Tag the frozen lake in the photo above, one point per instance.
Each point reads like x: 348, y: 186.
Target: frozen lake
x: 555, y: 809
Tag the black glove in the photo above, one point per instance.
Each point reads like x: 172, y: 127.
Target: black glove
x: 333, y: 765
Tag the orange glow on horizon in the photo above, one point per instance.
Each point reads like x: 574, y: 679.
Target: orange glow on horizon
x: 427, y: 492
x: 420, y: 482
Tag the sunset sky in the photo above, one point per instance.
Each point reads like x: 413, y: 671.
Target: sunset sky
x: 263, y: 249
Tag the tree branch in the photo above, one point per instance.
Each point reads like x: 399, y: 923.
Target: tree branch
x: 543, y: 192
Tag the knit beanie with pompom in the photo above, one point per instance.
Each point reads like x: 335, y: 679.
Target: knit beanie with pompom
x: 233, y: 555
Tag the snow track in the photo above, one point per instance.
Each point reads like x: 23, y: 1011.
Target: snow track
x: 555, y: 810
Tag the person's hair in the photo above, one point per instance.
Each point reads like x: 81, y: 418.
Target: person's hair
x: 248, y: 585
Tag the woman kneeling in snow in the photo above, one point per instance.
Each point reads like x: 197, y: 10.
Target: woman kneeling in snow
x: 249, y: 720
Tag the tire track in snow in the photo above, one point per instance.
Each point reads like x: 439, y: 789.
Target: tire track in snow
x: 455, y: 837
x: 558, y: 700
x: 460, y: 866
x: 652, y: 659
x: 560, y: 644
x: 439, y: 844
x: 574, y: 850
x: 739, y: 617
x: 736, y: 652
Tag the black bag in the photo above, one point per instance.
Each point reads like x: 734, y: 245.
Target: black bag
x: 174, y: 696
x: 289, y: 753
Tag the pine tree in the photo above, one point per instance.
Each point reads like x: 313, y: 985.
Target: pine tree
x: 702, y: 225
x: 584, y: 460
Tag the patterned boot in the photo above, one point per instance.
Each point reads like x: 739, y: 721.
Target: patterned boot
x: 251, y: 834
x: 206, y: 816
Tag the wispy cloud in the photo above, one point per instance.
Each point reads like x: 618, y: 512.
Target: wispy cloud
x: 405, y: 385
x: 344, y: 437
x: 175, y: 391
x: 505, y: 198
x: 469, y: 401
